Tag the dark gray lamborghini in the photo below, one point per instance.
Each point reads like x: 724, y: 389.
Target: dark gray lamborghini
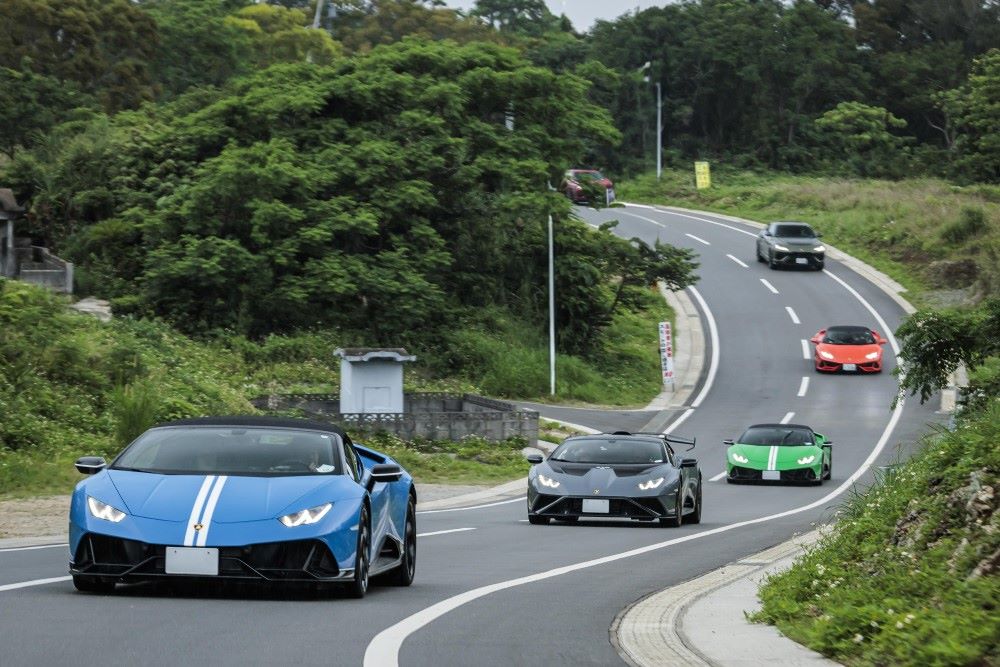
x: 616, y: 475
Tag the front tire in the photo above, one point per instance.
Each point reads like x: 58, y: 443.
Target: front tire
x: 771, y: 264
x: 403, y: 575
x: 678, y: 518
x: 695, y: 517
x: 97, y: 585
x: 359, y: 586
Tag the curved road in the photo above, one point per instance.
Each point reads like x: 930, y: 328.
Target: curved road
x: 490, y: 588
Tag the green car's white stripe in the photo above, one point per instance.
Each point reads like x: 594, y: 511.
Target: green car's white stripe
x: 772, y: 458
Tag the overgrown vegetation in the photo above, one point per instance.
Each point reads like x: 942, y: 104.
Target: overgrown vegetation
x: 910, y: 574
x: 926, y: 234
x: 471, y: 460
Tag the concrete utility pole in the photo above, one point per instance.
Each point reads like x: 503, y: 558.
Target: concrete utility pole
x: 319, y: 10
x: 659, y: 118
x: 552, y: 314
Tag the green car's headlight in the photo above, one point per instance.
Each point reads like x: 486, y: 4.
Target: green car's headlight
x: 650, y: 484
x: 739, y: 458
x: 104, y: 511
x: 306, y: 517
x: 547, y: 481
x: 805, y: 460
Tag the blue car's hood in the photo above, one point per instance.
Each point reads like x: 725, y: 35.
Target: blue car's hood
x: 171, y: 497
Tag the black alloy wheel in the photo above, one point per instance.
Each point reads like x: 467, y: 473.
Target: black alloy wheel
x: 829, y: 468
x: 677, y: 519
x: 98, y: 585
x: 695, y: 516
x: 819, y: 266
x: 359, y: 586
x: 760, y: 257
x: 403, y: 575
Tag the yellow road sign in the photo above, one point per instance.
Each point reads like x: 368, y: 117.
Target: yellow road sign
x: 702, y: 175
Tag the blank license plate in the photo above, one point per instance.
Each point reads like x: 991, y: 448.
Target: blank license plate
x: 801, y: 260
x: 597, y: 506
x: 850, y: 367
x: 773, y: 475
x: 198, y: 560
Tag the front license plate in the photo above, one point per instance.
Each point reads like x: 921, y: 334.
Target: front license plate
x: 850, y: 367
x: 771, y: 475
x: 197, y: 560
x: 596, y: 505
x: 801, y: 260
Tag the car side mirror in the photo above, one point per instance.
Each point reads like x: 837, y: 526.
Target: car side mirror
x: 90, y: 465
x: 727, y: 442
x: 814, y: 340
x: 688, y: 463
x: 384, y: 472
x: 534, y: 459
x: 828, y: 442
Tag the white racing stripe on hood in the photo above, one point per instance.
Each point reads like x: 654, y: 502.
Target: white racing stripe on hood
x: 772, y: 458
x: 199, y: 502
x: 206, y: 520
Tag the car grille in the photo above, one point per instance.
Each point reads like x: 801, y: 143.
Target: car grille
x: 628, y: 508
x: 750, y: 475
x: 745, y: 474
x: 304, y: 560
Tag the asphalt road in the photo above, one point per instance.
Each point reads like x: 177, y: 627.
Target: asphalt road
x: 503, y: 592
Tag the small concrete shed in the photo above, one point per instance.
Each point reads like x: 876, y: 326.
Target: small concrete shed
x: 371, y: 379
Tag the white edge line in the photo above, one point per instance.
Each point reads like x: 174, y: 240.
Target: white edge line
x: 642, y: 217
x: 768, y: 285
x: 39, y: 546
x: 713, y: 332
x: 805, y: 349
x: 680, y: 420
x: 804, y: 386
x: 383, y: 650
x: 697, y: 238
x: 473, y: 507
x: 788, y: 417
x: 34, y: 582
x: 444, y: 532
x: 791, y: 314
x: 718, y: 477
x: 738, y: 261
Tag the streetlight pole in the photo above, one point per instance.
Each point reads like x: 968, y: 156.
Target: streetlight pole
x: 659, y: 132
x: 552, y: 314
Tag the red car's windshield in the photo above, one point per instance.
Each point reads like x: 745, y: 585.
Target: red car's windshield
x: 848, y: 337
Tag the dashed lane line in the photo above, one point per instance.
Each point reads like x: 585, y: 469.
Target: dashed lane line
x: 738, y: 261
x: 697, y: 238
x: 718, y: 477
x: 474, y: 507
x: 787, y: 418
x: 33, y: 582
x: 803, y: 387
x: 791, y: 314
x: 769, y: 286
x: 444, y: 532
x: 805, y: 349
x: 32, y: 548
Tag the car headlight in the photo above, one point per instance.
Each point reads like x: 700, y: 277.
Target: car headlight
x: 306, y: 517
x: 650, y: 484
x: 547, y: 481
x: 778, y: 246
x: 805, y: 460
x: 104, y: 511
x: 819, y: 248
x: 871, y: 355
x: 740, y: 459
x: 825, y: 354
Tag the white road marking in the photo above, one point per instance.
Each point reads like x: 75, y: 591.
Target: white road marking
x: 680, y: 420
x: 787, y: 418
x: 718, y: 477
x: 383, y: 650
x: 738, y: 261
x: 712, y: 222
x: 473, y: 507
x: 868, y: 306
x: 33, y: 582
x: 642, y: 217
x: 713, y: 332
x: 769, y: 286
x: 444, y: 532
x: 40, y: 546
x: 791, y: 314
x: 803, y: 386
x: 652, y: 208
x: 697, y: 238
x: 805, y: 349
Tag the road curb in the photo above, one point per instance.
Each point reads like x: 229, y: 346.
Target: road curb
x: 667, y: 627
x: 689, y: 351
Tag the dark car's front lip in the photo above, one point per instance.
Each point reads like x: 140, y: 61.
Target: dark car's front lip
x: 643, y: 508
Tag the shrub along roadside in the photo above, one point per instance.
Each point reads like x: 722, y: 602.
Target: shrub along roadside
x: 924, y: 233
x: 471, y: 460
x: 909, y: 574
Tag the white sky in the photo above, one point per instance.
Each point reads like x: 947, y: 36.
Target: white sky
x: 582, y: 13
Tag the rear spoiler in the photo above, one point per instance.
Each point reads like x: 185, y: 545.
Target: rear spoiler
x: 669, y: 439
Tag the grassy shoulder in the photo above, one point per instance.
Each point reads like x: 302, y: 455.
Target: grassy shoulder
x: 71, y: 385
x: 468, y: 461
x: 909, y: 574
x: 926, y: 234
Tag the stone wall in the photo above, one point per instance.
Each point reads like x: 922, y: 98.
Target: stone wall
x: 428, y: 415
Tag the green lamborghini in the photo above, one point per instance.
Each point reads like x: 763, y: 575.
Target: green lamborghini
x: 779, y: 453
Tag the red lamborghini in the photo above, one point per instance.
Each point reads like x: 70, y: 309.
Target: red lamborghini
x: 847, y: 348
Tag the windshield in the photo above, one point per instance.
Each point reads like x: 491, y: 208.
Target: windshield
x: 599, y: 450
x: 849, y: 337
x: 794, y: 231
x: 589, y: 176
x: 232, y: 451
x: 776, y: 435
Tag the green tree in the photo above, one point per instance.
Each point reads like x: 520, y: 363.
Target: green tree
x: 973, y: 113
x: 277, y: 34
x: 523, y: 17
x: 860, y: 136
x: 31, y: 104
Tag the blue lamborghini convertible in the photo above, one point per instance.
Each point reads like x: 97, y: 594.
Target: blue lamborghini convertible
x: 260, y: 498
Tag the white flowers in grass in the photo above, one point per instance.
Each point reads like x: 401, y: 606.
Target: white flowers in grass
x: 859, y: 638
x: 820, y: 568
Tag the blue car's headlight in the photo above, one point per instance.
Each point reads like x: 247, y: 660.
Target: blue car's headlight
x: 547, y: 481
x: 104, y: 511
x: 650, y: 484
x: 306, y: 517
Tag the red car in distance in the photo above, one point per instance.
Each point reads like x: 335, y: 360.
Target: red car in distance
x: 848, y: 348
x: 583, y: 185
